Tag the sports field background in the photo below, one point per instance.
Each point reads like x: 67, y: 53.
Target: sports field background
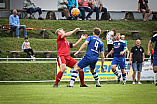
x: 44, y: 93
x: 39, y: 93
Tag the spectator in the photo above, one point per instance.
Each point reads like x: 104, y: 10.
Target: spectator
x: 123, y: 38
x: 97, y: 6
x: 72, y: 4
x: 143, y: 7
x: 109, y: 38
x: 84, y: 6
x: 62, y: 6
x: 26, y: 48
x: 137, y: 56
x: 14, y: 23
x: 32, y: 8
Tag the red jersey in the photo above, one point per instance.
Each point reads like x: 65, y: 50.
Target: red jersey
x: 63, y: 46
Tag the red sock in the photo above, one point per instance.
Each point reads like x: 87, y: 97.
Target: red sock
x: 81, y: 75
x: 59, y: 76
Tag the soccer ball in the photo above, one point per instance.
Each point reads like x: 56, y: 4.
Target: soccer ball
x: 75, y: 12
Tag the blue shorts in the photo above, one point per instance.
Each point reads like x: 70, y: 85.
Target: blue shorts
x: 137, y: 67
x: 119, y: 61
x: 87, y: 61
x: 155, y: 61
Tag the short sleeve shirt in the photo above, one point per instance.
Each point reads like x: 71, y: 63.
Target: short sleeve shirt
x: 137, y: 56
x: 94, y: 46
x: 118, y: 47
x: 63, y: 46
x: 143, y: 4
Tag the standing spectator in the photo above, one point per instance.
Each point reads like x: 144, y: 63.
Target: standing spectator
x: 72, y: 4
x: 26, y: 48
x: 84, y: 6
x: 97, y: 6
x: 137, y: 56
x: 123, y: 38
x: 109, y: 38
x: 32, y: 8
x: 14, y: 23
x: 143, y: 7
x: 62, y: 6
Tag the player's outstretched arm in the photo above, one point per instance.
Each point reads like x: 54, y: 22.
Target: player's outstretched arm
x: 69, y: 33
x: 102, y: 60
x: 149, y: 45
x: 110, y: 53
x: 78, y: 42
x: 82, y: 47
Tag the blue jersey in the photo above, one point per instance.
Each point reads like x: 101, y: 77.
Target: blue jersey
x: 119, y: 47
x: 154, y: 38
x: 94, y: 46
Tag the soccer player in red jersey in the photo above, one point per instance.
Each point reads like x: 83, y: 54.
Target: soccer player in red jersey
x: 63, y: 55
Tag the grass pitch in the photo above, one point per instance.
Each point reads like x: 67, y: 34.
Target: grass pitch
x: 107, y: 94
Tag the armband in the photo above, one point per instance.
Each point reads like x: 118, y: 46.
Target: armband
x: 71, y: 45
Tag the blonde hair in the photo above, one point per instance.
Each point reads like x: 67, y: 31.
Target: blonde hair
x: 58, y: 30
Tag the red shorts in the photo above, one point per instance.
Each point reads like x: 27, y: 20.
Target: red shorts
x: 69, y: 61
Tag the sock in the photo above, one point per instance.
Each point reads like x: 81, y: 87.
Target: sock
x: 81, y: 75
x: 59, y: 76
x: 95, y: 76
x: 156, y: 77
x: 73, y: 77
x: 124, y: 77
x: 116, y: 73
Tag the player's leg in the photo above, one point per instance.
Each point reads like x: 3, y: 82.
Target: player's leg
x: 122, y: 67
x: 134, y: 66
x: 78, y: 67
x: 113, y: 67
x: 95, y: 76
x: 62, y: 64
x: 124, y: 76
x: 139, y: 67
x: 74, y: 75
x: 72, y: 63
x: 155, y: 69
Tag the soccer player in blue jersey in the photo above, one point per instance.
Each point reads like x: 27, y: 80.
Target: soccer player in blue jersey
x: 119, y: 48
x: 94, y: 46
x: 154, y: 38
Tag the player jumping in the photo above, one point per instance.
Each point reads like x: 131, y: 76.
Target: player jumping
x: 94, y: 46
x: 119, y: 48
x: 63, y: 55
x: 154, y: 38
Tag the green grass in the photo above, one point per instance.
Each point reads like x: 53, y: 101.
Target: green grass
x: 107, y: 94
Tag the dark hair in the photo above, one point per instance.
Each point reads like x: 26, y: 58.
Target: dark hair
x: 26, y: 37
x: 113, y: 30
x: 97, y: 31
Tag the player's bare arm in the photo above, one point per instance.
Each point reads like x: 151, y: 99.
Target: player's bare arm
x: 102, y: 60
x: 69, y: 33
x: 110, y: 53
x: 82, y: 47
x: 78, y: 42
x: 126, y: 49
x: 149, y: 45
